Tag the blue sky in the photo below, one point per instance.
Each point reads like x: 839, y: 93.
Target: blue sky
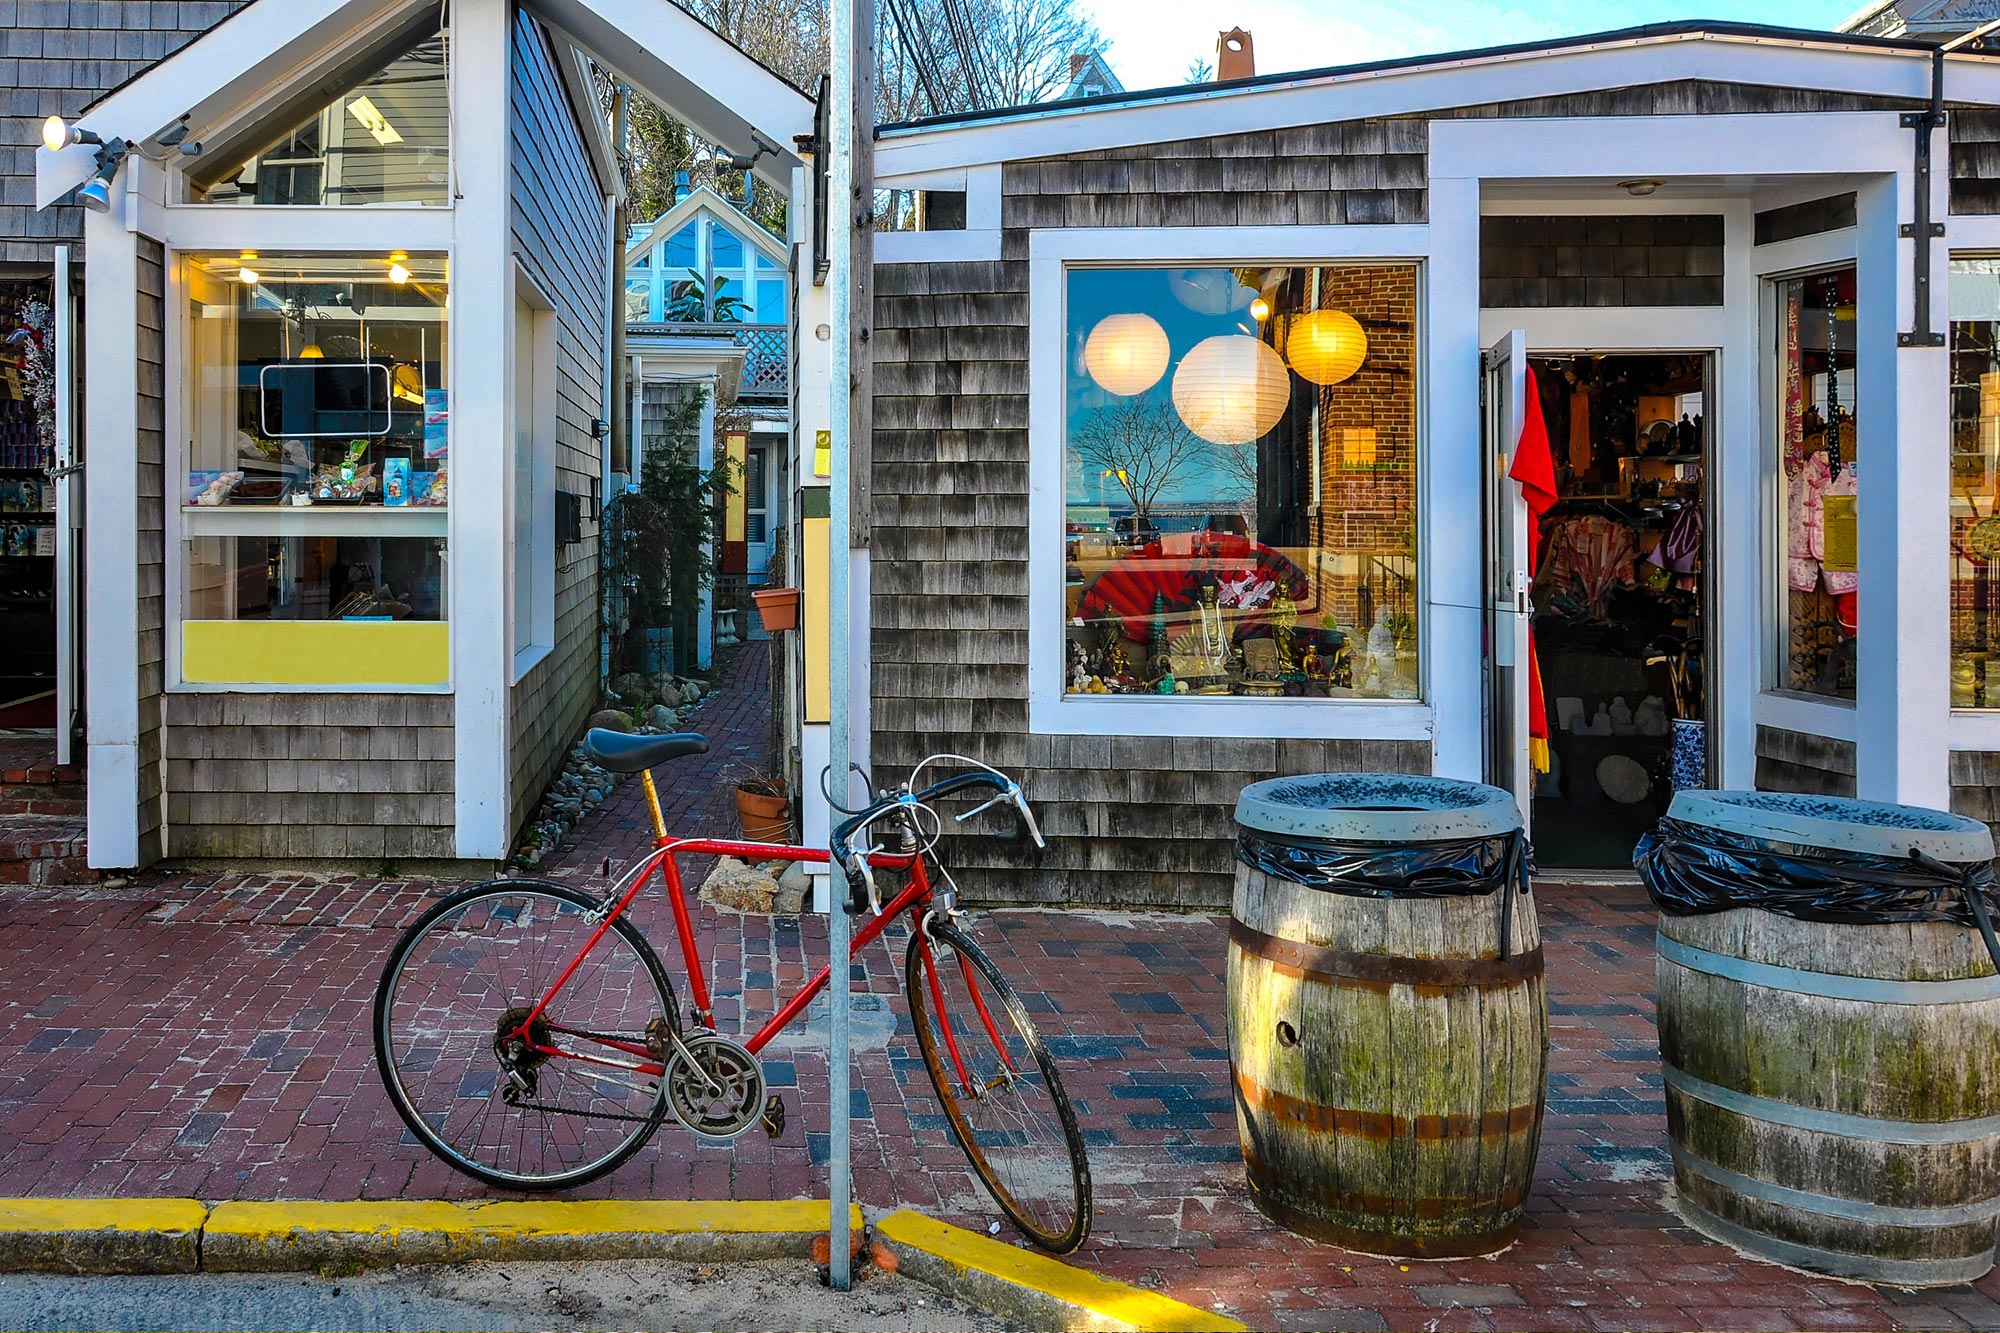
x: 1152, y: 41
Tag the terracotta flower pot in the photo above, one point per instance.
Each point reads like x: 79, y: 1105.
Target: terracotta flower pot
x: 763, y: 818
x: 778, y: 608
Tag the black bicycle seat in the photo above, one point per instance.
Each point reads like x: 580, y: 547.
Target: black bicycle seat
x: 631, y: 754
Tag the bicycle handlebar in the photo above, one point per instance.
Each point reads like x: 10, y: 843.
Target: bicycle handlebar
x: 855, y: 863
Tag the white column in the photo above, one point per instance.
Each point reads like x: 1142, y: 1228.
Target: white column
x: 482, y: 322
x: 1903, y: 438
x: 1745, y: 489
x: 1451, y: 565
x: 111, y: 532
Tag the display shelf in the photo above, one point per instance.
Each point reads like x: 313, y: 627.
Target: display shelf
x: 314, y: 521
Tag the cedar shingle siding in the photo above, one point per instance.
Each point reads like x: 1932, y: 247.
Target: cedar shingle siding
x: 1812, y: 765
x: 56, y: 57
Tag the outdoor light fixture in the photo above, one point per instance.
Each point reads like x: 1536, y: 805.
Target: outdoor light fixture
x: 58, y: 134
x: 1639, y: 189
x: 745, y: 161
x: 95, y: 193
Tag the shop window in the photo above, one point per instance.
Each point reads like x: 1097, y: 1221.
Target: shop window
x: 534, y: 481
x: 1816, y: 412
x: 384, y: 140
x: 1975, y: 487
x: 316, y: 475
x: 1240, y: 451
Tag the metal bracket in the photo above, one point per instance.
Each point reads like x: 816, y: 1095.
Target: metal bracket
x: 1908, y: 230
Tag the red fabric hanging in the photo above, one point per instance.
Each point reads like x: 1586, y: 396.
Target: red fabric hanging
x: 1534, y: 466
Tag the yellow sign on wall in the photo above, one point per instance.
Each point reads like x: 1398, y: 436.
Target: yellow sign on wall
x: 315, y: 652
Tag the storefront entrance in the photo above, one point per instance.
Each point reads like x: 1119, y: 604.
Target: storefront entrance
x: 1617, y: 599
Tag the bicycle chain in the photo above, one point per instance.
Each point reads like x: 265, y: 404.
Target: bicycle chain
x: 570, y: 1110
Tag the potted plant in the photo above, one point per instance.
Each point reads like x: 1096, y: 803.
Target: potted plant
x: 778, y: 608
x: 763, y: 808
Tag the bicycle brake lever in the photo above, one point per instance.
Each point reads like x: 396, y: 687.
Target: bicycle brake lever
x: 858, y: 863
x: 981, y: 809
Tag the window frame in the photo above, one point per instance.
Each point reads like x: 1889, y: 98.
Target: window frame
x: 193, y: 229
x: 539, y: 550
x: 1051, y: 711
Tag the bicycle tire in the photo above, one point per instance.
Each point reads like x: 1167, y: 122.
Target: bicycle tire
x: 434, y: 1043
x: 1015, y: 1150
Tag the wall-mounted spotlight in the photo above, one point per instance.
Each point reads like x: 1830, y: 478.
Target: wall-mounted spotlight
x: 95, y: 193
x: 745, y: 161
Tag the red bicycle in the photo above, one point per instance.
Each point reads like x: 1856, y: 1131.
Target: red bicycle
x: 529, y: 1036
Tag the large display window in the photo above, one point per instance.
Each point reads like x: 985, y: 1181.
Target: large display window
x: 1975, y: 482
x: 1816, y: 413
x: 316, y: 472
x: 1240, y: 462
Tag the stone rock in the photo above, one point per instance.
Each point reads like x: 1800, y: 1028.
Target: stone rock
x: 662, y: 717
x: 610, y: 719
x: 793, y: 886
x: 691, y: 693
x: 632, y: 687
x: 739, y: 887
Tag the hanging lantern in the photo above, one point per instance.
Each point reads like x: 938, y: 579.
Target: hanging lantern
x: 1210, y: 291
x: 1126, y: 354
x: 1231, y: 389
x: 1325, y: 346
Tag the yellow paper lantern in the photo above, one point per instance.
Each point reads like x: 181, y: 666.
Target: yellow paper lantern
x: 1231, y: 389
x: 1126, y: 354
x: 1325, y: 346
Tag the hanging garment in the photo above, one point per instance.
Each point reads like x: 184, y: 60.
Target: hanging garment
x: 1534, y: 466
x: 1589, y: 557
x: 1581, y: 456
x: 1805, y: 522
x: 1680, y: 550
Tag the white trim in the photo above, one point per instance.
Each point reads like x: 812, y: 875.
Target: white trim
x: 1610, y: 329
x: 1803, y: 253
x: 1451, y: 564
x: 1791, y: 711
x: 357, y: 228
x: 67, y: 589
x: 1050, y: 711
x: 704, y: 200
x: 481, y: 379
x: 1741, y: 520
x: 936, y: 247
x: 1976, y: 730
x: 312, y: 521
x: 111, y: 537
x: 1663, y: 147
x: 538, y: 544
x: 573, y: 65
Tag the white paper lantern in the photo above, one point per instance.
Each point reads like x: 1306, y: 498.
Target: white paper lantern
x: 1126, y: 354
x: 1325, y: 346
x: 1231, y: 389
x: 1210, y: 291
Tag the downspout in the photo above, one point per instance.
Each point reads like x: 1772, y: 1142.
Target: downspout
x: 617, y: 453
x: 1924, y: 229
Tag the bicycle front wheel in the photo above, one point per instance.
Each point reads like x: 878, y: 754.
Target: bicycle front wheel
x: 559, y: 1103
x: 999, y: 1088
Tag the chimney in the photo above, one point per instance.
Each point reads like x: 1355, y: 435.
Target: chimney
x: 1234, y: 58
x: 1076, y: 64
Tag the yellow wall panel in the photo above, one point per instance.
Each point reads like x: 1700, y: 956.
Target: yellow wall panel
x: 736, y: 446
x: 315, y: 652
x: 815, y: 602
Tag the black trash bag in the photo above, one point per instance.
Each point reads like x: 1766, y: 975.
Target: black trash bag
x: 1461, y: 867
x: 1691, y: 869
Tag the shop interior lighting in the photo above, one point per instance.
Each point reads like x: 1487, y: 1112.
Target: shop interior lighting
x: 374, y: 121
x: 398, y: 274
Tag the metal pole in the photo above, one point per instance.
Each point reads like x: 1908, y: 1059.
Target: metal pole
x: 841, y: 242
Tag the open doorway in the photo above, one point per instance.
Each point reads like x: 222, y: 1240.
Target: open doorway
x: 1618, y: 599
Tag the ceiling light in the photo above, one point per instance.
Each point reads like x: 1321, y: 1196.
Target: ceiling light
x: 397, y: 256
x: 398, y: 274
x: 374, y: 121
x: 1639, y: 189
x: 312, y: 352
x: 247, y: 276
x: 58, y: 134
x: 1260, y: 310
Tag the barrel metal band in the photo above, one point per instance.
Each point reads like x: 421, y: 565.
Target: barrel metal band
x: 1831, y: 984
x: 1325, y: 964
x: 1831, y: 1122
x: 1897, y: 1272
x: 1854, y: 1210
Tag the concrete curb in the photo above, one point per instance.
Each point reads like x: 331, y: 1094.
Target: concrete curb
x: 1028, y: 1286
x: 97, y: 1236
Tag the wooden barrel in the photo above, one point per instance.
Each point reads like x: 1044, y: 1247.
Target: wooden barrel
x: 1389, y: 1063
x: 1833, y: 1090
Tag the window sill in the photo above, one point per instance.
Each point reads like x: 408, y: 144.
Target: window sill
x: 527, y: 659
x: 1232, y: 716
x: 314, y: 520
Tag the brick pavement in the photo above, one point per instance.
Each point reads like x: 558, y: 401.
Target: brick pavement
x: 208, y: 1036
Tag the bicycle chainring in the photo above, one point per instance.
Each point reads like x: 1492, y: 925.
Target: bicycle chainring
x: 720, y: 1093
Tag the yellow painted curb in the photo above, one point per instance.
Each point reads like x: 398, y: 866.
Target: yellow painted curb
x: 287, y: 1236
x: 1018, y: 1283
x: 101, y: 1235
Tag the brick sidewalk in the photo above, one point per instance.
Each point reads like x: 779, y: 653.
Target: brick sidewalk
x: 208, y: 1037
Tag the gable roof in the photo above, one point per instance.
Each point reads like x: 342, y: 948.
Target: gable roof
x: 1700, y: 50
x: 703, y: 199
x: 269, y: 49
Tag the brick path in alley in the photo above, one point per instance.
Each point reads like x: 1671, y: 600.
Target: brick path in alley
x: 208, y: 1036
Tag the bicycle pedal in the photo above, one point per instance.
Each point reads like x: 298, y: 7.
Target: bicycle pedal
x: 773, y: 1118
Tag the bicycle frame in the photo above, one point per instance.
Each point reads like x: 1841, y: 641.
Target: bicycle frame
x: 663, y: 859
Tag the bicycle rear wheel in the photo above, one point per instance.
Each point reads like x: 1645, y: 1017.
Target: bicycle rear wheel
x: 999, y: 1088
x: 559, y: 1109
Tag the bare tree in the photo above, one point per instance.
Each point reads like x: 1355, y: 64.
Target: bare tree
x: 944, y: 56
x: 1200, y: 70
x: 1143, y: 444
